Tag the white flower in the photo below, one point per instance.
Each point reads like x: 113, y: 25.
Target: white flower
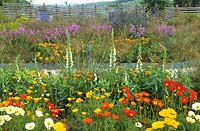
x: 30, y: 126
x: 10, y: 110
x: 19, y: 111
x: 190, y: 120
x: 48, y: 94
x: 2, y: 120
x: 7, y: 117
x: 196, y: 106
x: 138, y: 124
x: 197, y: 117
x: 38, y: 113
x: 3, y: 108
x: 191, y: 114
x: 48, y: 122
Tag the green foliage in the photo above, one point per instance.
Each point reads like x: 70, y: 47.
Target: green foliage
x: 153, y: 5
x: 186, y: 3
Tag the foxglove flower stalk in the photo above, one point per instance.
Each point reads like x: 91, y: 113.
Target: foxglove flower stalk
x: 113, y: 53
x: 139, y: 61
x: 95, y: 77
x: 125, y: 78
x: 69, y: 59
x: 164, y: 58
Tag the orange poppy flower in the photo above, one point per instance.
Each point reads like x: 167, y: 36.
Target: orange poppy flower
x: 87, y: 120
x: 138, y: 99
x: 146, y: 100
x: 155, y: 101
x: 160, y: 104
x: 106, y: 114
x: 115, y: 117
x: 105, y: 105
x: 140, y: 94
x: 146, y: 94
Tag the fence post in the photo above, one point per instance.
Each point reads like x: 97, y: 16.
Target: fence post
x: 95, y: 11
x: 70, y: 14
x: 30, y: 13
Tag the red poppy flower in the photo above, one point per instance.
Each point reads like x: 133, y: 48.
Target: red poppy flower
x: 193, y: 98
x: 23, y: 96
x: 179, y: 93
x: 124, y: 101
x: 192, y: 92
x: 166, y: 83
x: 184, y: 100
x: 129, y: 113
x: 87, y: 120
x: 125, y: 89
x: 50, y: 106
x: 129, y: 96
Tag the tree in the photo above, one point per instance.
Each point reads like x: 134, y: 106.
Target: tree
x: 186, y: 3
x: 12, y: 1
x: 153, y: 5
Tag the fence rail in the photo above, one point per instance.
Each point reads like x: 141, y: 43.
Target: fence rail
x: 33, y: 11
x: 171, y: 12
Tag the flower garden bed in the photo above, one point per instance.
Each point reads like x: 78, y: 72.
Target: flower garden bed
x: 121, y: 93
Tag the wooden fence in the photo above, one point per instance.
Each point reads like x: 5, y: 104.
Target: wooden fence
x: 171, y: 12
x: 33, y: 11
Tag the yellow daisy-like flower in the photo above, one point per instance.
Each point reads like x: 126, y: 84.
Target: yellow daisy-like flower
x: 79, y: 93
x: 59, y: 126
x: 149, y: 129
x: 68, y: 105
x: 96, y: 97
x: 36, y: 100
x: 108, y: 94
x: 103, y: 97
x: 29, y: 91
x: 103, y: 89
x: 169, y: 112
x: 75, y: 110
x: 34, y: 82
x: 10, y: 93
x: 46, y: 99
x: 70, y: 99
x: 28, y: 113
x: 89, y: 94
x: 171, y: 122
x: 97, y: 110
x: 119, y: 91
x: 84, y: 113
x: 79, y: 100
x: 158, y: 124
x: 29, y: 98
x: 17, y: 98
